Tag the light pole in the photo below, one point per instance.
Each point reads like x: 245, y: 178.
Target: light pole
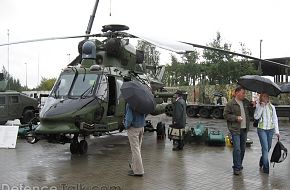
x: 260, y: 62
x: 26, y: 73
x: 8, y: 58
x: 38, y: 70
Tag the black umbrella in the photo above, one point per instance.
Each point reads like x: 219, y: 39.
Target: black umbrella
x: 285, y: 88
x: 259, y: 84
x: 139, y: 96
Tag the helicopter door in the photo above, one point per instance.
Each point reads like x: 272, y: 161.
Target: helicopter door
x: 111, y: 96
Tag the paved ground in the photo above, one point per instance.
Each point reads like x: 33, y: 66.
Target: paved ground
x: 106, y: 165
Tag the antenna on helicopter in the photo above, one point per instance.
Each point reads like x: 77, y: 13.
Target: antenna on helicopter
x: 91, y: 21
x: 88, y: 32
x: 110, y: 7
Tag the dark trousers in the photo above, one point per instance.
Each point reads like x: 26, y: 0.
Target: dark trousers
x: 178, y: 144
x: 239, y: 142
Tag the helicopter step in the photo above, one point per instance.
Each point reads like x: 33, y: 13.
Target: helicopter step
x: 32, y: 137
x: 76, y: 146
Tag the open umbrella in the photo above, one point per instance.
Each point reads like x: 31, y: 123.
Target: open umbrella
x: 139, y: 96
x: 285, y: 88
x: 259, y: 84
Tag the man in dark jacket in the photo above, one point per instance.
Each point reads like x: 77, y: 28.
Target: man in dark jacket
x: 179, y: 118
x: 236, y: 113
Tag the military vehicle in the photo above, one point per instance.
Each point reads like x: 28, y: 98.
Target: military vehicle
x: 15, y: 105
x: 86, y: 98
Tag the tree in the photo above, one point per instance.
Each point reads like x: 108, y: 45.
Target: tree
x: 13, y: 83
x: 182, y: 73
x: 171, y: 75
x: 191, y: 68
x: 217, y: 64
x: 151, y: 55
x: 46, y: 84
x: 213, y: 57
x: 224, y: 68
x: 217, y: 67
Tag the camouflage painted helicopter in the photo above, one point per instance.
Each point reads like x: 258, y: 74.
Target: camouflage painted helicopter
x: 86, y: 98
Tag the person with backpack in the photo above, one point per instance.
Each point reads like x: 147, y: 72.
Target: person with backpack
x: 267, y: 118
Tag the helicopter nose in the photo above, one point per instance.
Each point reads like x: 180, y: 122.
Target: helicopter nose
x: 68, y: 108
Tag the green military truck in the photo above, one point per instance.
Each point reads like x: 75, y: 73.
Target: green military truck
x: 15, y: 105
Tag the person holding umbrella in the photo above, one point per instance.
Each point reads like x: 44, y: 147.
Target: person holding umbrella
x: 265, y: 113
x: 134, y: 123
x: 236, y: 113
x: 140, y: 101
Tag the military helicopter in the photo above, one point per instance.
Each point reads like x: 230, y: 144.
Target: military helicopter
x: 86, y: 98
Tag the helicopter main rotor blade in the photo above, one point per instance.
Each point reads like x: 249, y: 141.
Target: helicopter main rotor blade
x: 238, y: 54
x: 185, y: 47
x: 175, y: 46
x: 49, y: 39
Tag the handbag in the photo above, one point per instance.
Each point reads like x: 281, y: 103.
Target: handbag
x: 175, y: 134
x: 279, y: 153
x: 256, y: 122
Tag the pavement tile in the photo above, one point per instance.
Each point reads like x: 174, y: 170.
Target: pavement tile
x: 105, y: 166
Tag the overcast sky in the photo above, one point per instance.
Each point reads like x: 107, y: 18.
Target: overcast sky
x: 195, y: 21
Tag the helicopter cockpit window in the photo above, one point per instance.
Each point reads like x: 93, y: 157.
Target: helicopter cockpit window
x: 101, y: 92
x: 84, y: 85
x: 61, y: 88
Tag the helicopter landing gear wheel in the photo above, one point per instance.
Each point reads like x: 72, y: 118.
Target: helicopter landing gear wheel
x: 83, y: 147
x: 31, y: 138
x: 74, y: 147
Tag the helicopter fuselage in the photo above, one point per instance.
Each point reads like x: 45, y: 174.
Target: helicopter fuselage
x: 83, y: 101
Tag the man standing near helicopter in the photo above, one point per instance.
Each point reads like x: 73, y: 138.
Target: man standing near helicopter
x: 134, y: 123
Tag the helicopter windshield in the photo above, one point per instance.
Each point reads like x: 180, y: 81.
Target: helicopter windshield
x: 63, y: 85
x: 84, y: 85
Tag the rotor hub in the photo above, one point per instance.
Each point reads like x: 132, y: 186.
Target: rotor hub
x: 114, y: 28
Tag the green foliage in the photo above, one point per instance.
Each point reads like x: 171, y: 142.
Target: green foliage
x: 46, y: 84
x: 215, y: 67
x: 213, y: 57
x: 13, y: 83
x: 182, y: 73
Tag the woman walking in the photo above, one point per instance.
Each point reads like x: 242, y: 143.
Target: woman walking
x: 268, y: 125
